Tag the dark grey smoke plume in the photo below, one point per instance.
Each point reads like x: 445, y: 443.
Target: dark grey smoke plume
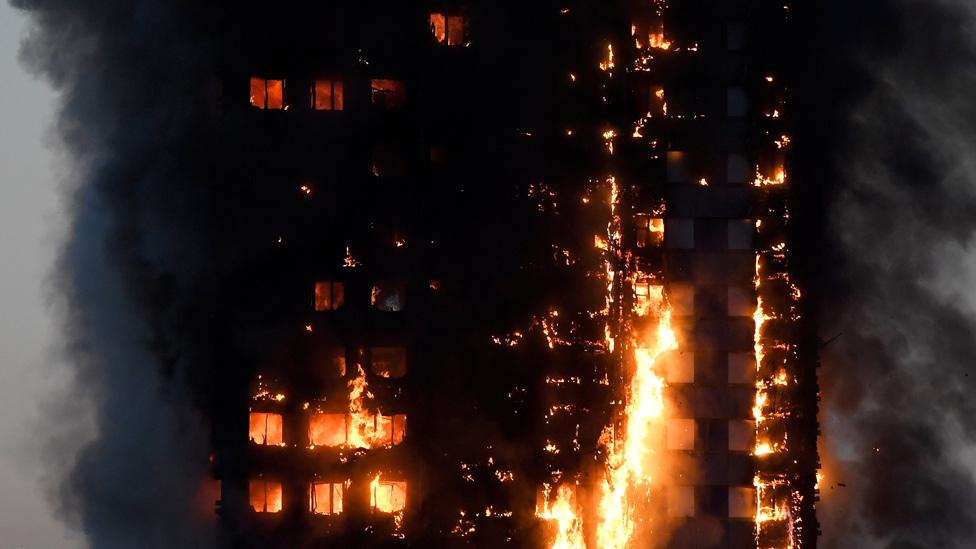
x: 900, y: 412
x: 125, y: 71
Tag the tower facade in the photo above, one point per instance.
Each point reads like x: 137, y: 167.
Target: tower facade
x: 525, y: 274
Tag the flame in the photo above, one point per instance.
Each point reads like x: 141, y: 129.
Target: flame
x: 630, y: 459
x: 562, y: 512
x: 362, y: 426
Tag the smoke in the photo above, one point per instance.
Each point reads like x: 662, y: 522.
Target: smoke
x: 124, y: 72
x: 900, y: 420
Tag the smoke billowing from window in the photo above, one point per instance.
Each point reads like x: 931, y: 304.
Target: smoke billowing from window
x: 900, y: 417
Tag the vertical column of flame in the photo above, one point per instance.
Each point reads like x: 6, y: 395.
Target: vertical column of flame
x: 629, y: 467
x: 562, y: 511
x: 362, y: 426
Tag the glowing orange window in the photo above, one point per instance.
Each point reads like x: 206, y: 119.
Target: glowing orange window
x: 387, y: 93
x: 267, y: 94
x: 329, y: 296
x: 325, y: 498
x: 387, y: 496
x: 327, y: 429
x: 447, y: 29
x: 649, y: 298
x: 266, y: 429
x: 650, y: 230
x: 390, y: 430
x: 327, y: 95
x: 265, y: 495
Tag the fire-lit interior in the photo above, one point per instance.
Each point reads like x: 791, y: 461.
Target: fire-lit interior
x: 558, y: 239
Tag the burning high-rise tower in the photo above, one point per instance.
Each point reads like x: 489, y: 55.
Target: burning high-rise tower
x: 524, y: 278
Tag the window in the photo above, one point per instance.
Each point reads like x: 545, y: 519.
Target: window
x: 650, y: 230
x: 327, y: 95
x: 742, y: 502
x: 266, y: 429
x: 737, y: 102
x: 265, y: 496
x: 389, y: 361
x: 681, y: 298
x: 387, y: 496
x: 681, y: 434
x: 649, y: 298
x: 387, y: 93
x: 267, y: 94
x: 681, y: 501
x: 388, y: 296
x: 676, y: 167
x: 327, y: 429
x: 679, y: 367
x: 742, y: 435
x: 325, y: 498
x: 447, y: 29
x: 737, y: 168
x: 679, y: 234
x: 329, y: 296
x: 741, y: 301
x: 742, y: 368
x: 390, y: 430
x: 657, y: 105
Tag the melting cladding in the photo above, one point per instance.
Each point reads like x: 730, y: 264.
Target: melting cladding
x: 534, y: 280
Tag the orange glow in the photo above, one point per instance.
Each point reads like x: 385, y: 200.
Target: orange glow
x: 438, y: 27
x: 390, y: 430
x: 265, y: 496
x: 327, y: 95
x: 268, y: 94
x: 387, y: 496
x: 276, y: 94
x: 266, y: 429
x: 658, y: 41
x: 329, y: 296
x: 387, y: 93
x: 562, y: 512
x: 327, y: 429
x: 447, y: 29
x: 325, y: 498
x: 259, y: 92
x: 631, y: 459
x: 649, y: 298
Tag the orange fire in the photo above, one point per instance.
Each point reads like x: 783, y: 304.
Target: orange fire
x: 562, y: 512
x: 631, y: 461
